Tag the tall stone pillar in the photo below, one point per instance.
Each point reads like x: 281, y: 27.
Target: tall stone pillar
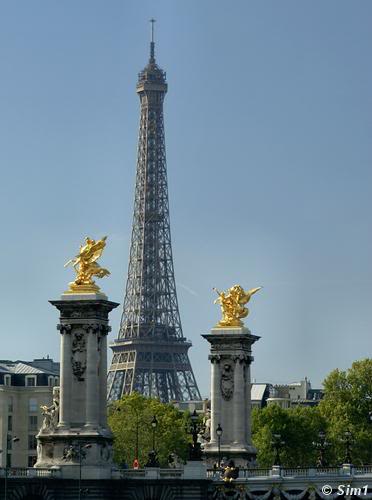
x: 215, y: 397
x: 65, y: 377
x: 77, y: 423
x: 231, y: 356
x: 92, y: 385
x: 103, y: 381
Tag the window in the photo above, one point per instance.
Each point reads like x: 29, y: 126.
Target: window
x: 10, y: 404
x: 32, y: 405
x: 56, y: 381
x: 9, y: 460
x: 7, y: 380
x: 10, y: 423
x: 10, y: 442
x: 32, y: 442
x: 30, y: 380
x: 32, y: 423
x: 32, y: 460
x: 50, y: 381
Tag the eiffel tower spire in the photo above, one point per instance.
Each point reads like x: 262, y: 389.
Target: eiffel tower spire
x: 150, y: 353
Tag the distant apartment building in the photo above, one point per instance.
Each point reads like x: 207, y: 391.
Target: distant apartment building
x: 295, y: 394
x: 263, y: 394
x: 24, y: 387
x: 201, y: 406
x: 260, y: 394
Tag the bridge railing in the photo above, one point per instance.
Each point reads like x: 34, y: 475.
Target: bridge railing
x: 213, y: 474
x: 295, y: 472
x: 363, y: 470
x: 149, y: 473
x: 23, y: 472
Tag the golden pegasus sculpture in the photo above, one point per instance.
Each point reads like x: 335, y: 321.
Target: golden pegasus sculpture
x: 85, y: 266
x: 232, y: 305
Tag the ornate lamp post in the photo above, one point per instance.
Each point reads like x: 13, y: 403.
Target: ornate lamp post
x: 347, y: 441
x: 195, y: 428
x: 13, y: 440
x: 278, y: 444
x: 152, y: 458
x: 82, y: 454
x: 321, y: 445
x: 219, y: 432
x: 154, y: 424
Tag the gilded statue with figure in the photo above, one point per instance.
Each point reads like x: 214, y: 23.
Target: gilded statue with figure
x: 85, y: 266
x: 232, y: 305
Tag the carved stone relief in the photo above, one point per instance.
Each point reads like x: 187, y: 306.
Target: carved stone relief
x: 106, y: 452
x: 227, y: 380
x: 78, y: 355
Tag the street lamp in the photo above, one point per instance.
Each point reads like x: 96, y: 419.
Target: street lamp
x: 82, y: 454
x: 348, y: 441
x: 152, y: 460
x: 321, y: 445
x: 278, y: 444
x: 195, y: 428
x: 13, y: 440
x: 154, y: 424
x: 219, y: 432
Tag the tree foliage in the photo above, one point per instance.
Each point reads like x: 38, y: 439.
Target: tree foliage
x: 136, y: 412
x: 347, y: 406
x: 298, y: 428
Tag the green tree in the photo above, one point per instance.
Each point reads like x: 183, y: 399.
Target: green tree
x: 298, y: 427
x: 347, y: 406
x: 132, y: 415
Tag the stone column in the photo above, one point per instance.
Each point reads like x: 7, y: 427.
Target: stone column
x: 239, y: 402
x: 83, y: 319
x: 215, y: 397
x: 65, y: 376
x: 103, y: 378
x: 230, y: 394
x: 92, y: 385
x: 248, y: 410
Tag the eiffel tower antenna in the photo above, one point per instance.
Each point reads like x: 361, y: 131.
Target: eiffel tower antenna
x: 152, y: 44
x: 150, y: 355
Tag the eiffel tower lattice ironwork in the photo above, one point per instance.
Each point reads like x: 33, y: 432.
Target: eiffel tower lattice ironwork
x: 150, y: 355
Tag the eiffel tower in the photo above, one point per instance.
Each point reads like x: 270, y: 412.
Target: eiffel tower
x: 150, y: 355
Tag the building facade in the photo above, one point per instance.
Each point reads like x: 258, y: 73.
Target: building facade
x: 24, y: 387
x: 294, y: 394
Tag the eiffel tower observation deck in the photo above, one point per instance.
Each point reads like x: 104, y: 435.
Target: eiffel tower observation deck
x: 150, y: 355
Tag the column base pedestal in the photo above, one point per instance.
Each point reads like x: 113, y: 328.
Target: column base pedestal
x: 243, y: 456
x: 66, y: 447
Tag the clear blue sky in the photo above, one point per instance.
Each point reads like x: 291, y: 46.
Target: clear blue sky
x: 268, y: 131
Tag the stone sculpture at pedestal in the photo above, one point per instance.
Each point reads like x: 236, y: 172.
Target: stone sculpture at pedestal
x: 75, y: 429
x: 231, y: 357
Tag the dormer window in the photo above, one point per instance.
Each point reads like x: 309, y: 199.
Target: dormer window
x: 7, y: 380
x: 30, y: 381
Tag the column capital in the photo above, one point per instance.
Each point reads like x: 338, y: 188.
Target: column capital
x: 243, y: 358
x: 91, y: 327
x: 214, y: 358
x: 64, y: 328
x: 105, y: 329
